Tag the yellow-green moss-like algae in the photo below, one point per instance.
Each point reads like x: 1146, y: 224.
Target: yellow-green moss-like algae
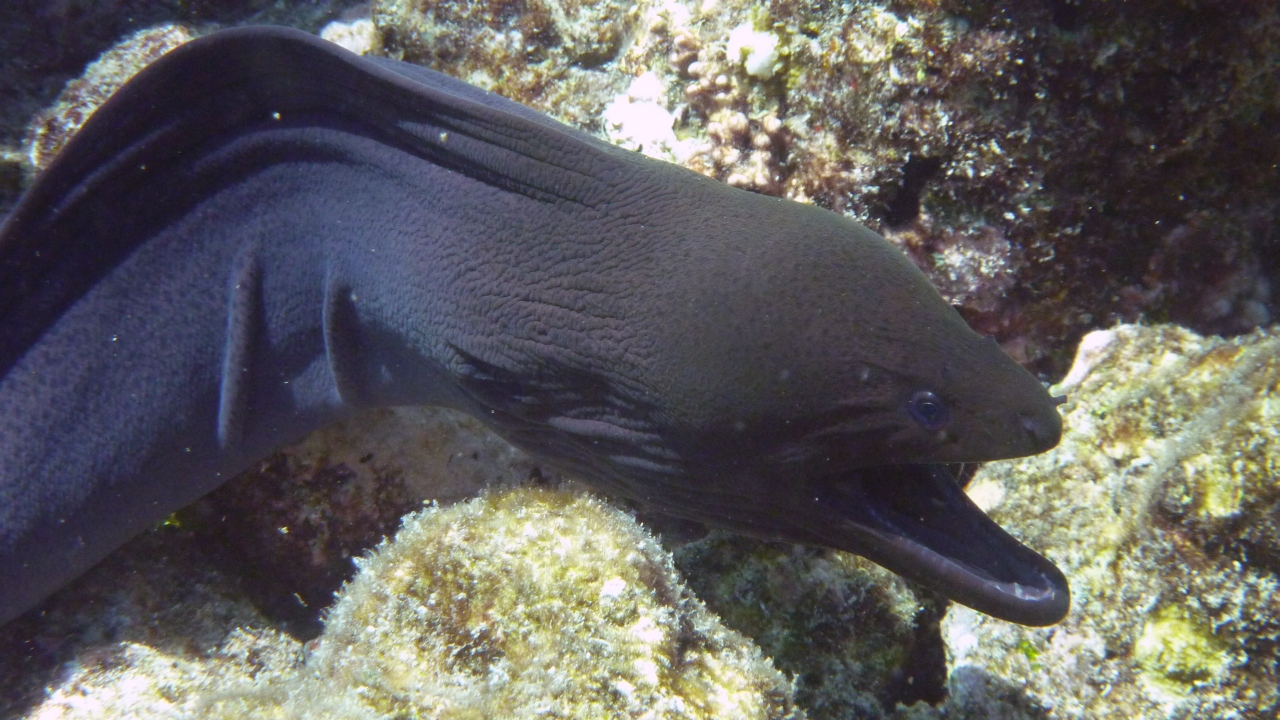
x: 533, y: 603
x: 1160, y: 505
x: 1177, y: 649
x: 526, y: 603
x: 846, y: 628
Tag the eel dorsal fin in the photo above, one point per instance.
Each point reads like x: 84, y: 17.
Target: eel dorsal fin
x: 245, y: 327
x: 136, y: 168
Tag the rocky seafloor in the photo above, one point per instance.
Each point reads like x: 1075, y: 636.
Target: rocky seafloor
x: 1055, y: 167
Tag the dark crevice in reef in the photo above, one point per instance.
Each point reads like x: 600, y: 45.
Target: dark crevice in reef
x: 904, y: 208
x: 287, y: 531
x: 923, y: 674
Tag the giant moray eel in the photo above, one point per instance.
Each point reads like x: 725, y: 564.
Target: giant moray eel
x: 262, y: 233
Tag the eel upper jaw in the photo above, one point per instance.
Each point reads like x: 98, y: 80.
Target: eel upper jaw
x: 916, y: 521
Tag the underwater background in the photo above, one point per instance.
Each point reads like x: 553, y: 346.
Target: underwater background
x: 1094, y: 184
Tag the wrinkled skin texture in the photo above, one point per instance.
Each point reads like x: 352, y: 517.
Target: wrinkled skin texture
x: 262, y: 233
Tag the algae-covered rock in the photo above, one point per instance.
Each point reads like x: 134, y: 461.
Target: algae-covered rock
x: 857, y: 638
x: 1162, y: 506
x: 520, y: 604
x: 533, y: 602
x: 81, y: 96
x: 549, y: 54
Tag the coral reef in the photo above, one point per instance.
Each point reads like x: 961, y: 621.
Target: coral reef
x: 638, y: 120
x: 1052, y: 166
x: 357, y: 35
x: 544, y: 53
x: 521, y: 604
x: 529, y: 52
x: 1051, y: 173
x: 1161, y: 506
x: 857, y: 638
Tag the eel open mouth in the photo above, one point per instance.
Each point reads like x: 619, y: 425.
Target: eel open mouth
x: 916, y: 521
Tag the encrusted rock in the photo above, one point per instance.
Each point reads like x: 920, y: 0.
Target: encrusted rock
x: 520, y: 604
x: 1162, y: 506
x: 55, y: 126
x: 857, y: 638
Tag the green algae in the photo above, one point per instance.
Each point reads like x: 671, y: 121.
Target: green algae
x: 1177, y: 649
x: 1028, y: 651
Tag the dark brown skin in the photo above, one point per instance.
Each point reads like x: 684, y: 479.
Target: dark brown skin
x: 262, y: 233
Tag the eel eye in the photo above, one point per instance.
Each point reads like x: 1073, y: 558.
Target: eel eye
x: 928, y: 409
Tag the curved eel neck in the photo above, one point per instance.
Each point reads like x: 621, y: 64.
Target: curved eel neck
x: 140, y: 375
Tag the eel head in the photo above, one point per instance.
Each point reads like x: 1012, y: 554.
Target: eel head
x: 801, y: 380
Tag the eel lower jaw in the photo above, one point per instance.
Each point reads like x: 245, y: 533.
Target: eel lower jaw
x: 916, y: 521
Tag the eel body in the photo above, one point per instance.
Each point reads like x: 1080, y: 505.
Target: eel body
x: 262, y: 233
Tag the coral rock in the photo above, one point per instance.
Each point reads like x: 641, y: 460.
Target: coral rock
x: 1160, y: 505
x: 49, y: 132
x: 521, y: 604
x: 534, y: 602
x: 857, y: 638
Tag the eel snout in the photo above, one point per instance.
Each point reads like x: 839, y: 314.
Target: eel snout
x: 1043, y: 429
x: 916, y: 521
